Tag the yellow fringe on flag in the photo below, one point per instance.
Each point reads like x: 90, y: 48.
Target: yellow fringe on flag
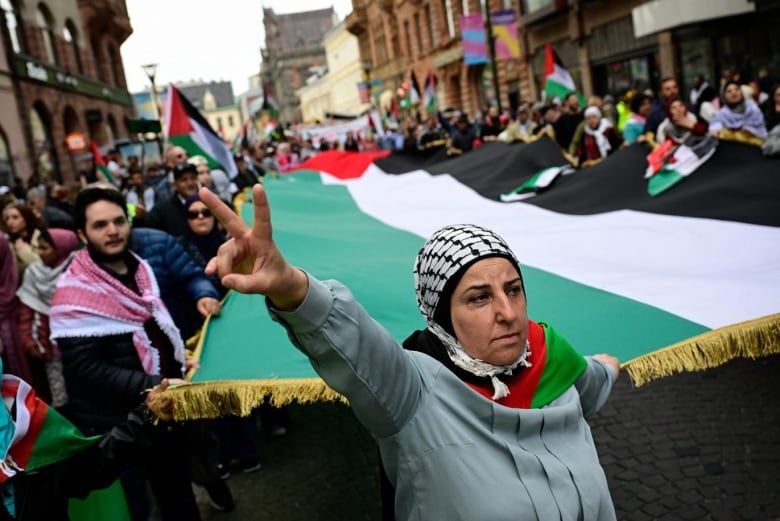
x: 752, y: 339
x: 194, y: 401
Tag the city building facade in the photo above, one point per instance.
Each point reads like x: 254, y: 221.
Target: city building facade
x: 610, y: 46
x: 607, y: 45
x: 335, y: 94
x: 293, y: 49
x: 61, y: 60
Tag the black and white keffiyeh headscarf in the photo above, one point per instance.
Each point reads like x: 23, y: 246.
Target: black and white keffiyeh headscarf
x: 439, y: 266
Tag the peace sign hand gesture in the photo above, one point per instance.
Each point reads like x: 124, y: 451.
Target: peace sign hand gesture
x: 250, y: 261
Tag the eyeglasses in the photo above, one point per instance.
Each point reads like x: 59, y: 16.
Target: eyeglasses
x: 194, y: 214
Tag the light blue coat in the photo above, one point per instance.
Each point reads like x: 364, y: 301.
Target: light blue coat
x: 451, y: 453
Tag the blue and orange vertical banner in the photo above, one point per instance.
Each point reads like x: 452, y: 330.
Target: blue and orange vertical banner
x: 507, y: 42
x: 475, y: 50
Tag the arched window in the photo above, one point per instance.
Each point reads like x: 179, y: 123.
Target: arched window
x: 97, y: 55
x: 46, y: 167
x: 6, y: 165
x: 46, y: 24
x: 70, y: 120
x: 111, y: 129
x: 115, y: 60
x: 71, y: 36
x: 112, y: 79
x: 14, y: 24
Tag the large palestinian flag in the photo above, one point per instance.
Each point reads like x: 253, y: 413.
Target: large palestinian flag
x: 186, y: 127
x: 682, y: 281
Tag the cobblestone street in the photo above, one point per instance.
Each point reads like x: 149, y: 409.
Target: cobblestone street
x: 698, y: 446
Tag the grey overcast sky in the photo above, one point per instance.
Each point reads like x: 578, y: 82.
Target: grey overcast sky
x: 203, y: 39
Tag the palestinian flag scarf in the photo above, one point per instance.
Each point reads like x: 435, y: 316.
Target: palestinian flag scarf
x: 554, y: 367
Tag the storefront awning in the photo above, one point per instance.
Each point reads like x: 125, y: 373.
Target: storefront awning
x: 661, y: 15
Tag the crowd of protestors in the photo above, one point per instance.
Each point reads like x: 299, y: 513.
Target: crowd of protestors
x: 98, y: 295
x: 588, y: 130
x: 135, y: 251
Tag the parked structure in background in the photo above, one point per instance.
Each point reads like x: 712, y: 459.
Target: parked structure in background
x: 293, y: 46
x: 607, y: 45
x: 62, y: 75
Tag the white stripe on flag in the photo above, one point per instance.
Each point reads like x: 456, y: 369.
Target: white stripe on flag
x: 698, y: 269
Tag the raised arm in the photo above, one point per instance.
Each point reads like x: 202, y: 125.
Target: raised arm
x: 250, y: 261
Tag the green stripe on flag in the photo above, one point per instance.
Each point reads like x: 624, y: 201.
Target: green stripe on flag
x: 321, y: 229
x: 106, y: 173
x: 192, y: 148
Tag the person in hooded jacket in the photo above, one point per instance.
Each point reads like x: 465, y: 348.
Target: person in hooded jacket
x: 56, y: 248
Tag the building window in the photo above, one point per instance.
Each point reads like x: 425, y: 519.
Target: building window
x: 446, y: 6
x: 219, y: 124
x: 464, y: 5
x: 408, y: 36
x: 418, y: 33
x: 6, y: 165
x: 100, y: 70
x: 12, y: 22
x: 45, y: 155
x: 380, y: 45
x: 46, y: 24
x: 111, y: 128
x: 72, y: 38
x: 431, y: 31
x: 507, y: 5
x: 110, y: 52
x: 531, y: 6
x: 231, y: 122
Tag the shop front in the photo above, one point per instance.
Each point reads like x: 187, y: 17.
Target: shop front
x: 746, y: 45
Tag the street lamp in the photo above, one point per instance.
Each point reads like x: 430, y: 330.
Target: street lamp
x: 151, y: 69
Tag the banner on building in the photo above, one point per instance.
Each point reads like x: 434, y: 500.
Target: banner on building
x: 507, y: 42
x: 475, y: 49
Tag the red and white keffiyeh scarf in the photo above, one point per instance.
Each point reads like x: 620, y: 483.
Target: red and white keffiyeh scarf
x: 90, y: 302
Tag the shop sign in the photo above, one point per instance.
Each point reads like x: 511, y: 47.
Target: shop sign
x: 76, y: 142
x: 61, y: 79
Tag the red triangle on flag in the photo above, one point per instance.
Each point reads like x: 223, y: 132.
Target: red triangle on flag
x: 179, y: 122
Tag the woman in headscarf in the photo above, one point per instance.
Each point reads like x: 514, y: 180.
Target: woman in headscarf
x: 483, y: 415
x: 594, y: 139
x: 202, y: 237
x: 21, y: 224
x: 56, y: 247
x: 739, y: 119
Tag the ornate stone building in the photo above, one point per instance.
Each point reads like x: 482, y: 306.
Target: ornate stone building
x: 607, y: 45
x: 293, y: 46
x: 400, y: 36
x: 62, y: 64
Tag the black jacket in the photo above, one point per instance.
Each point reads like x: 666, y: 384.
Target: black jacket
x: 168, y: 216
x: 105, y: 380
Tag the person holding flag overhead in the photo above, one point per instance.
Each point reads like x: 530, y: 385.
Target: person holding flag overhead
x: 479, y: 416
